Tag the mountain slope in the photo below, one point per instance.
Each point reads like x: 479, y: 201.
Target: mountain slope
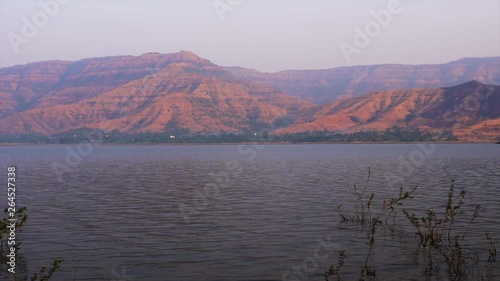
x: 183, y: 91
x: 43, y: 84
x: 328, y: 85
x: 21, y: 86
x: 470, y: 109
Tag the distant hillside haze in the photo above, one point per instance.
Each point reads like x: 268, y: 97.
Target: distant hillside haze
x: 328, y: 85
x: 183, y: 93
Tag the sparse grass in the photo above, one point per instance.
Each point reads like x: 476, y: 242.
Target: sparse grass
x: 43, y: 274
x: 439, y: 238
x: 334, y: 270
x: 492, y: 251
x: 369, y: 220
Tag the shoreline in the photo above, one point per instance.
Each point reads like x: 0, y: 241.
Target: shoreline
x: 239, y: 143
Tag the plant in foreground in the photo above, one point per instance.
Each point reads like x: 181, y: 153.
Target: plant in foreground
x: 370, y: 220
x: 440, y: 239
x: 20, y: 215
x: 335, y: 270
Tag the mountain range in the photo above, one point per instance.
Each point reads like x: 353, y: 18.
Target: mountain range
x: 328, y: 85
x: 183, y: 92
x: 470, y: 110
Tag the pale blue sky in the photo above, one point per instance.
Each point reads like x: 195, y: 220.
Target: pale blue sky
x: 265, y: 35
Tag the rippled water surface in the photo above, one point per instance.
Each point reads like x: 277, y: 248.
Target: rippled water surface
x: 229, y: 212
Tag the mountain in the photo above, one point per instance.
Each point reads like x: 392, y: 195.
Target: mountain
x: 470, y: 110
x: 43, y: 84
x: 328, y: 85
x: 149, y: 93
x: 181, y: 92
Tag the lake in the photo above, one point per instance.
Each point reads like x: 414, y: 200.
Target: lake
x: 237, y: 212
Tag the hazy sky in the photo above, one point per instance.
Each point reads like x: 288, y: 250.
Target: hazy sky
x: 265, y: 35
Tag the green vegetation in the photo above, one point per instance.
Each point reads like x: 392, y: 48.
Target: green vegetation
x: 440, y: 239
x: 183, y: 136
x: 44, y: 274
